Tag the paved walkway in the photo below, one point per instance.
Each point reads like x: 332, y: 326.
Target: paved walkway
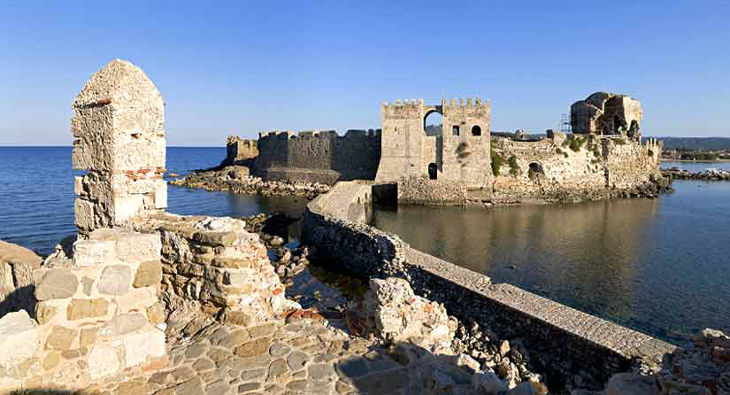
x: 305, y: 356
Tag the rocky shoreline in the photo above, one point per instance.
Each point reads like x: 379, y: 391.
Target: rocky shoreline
x: 237, y: 179
x: 711, y: 174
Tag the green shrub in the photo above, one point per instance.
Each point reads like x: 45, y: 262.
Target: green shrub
x: 576, y: 143
x: 496, y: 162
x: 650, y: 153
x: 619, y: 141
x: 461, y: 150
x: 514, y: 168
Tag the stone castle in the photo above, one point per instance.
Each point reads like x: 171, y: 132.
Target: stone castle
x: 604, y: 155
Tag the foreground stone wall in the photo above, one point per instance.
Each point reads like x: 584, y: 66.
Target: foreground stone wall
x: 97, y: 316
x: 216, y: 264
x: 576, y: 167
x: 321, y: 157
x: 569, y: 345
x: 16, y: 277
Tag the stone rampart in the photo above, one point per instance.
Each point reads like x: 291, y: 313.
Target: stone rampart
x: 322, y: 157
x: 575, y: 167
x: 97, y: 315
x: 566, y: 342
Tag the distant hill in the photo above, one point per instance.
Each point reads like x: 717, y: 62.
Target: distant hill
x: 696, y: 143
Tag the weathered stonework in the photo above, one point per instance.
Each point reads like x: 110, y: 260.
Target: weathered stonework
x: 573, y: 168
x: 607, y: 114
x: 461, y: 153
x: 317, y: 156
x: 82, y: 335
x: 119, y: 138
x: 240, y: 151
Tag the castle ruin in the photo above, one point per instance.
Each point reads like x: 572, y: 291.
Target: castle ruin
x: 607, y: 114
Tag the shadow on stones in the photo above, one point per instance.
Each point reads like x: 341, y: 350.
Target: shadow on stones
x: 21, y: 298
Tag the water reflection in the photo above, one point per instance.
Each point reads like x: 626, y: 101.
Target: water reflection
x: 623, y: 260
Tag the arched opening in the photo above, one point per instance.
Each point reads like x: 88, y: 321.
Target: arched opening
x: 432, y: 171
x: 534, y: 170
x: 476, y: 130
x: 433, y: 124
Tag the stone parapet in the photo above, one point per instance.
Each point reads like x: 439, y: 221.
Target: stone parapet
x: 421, y: 190
x: 97, y: 316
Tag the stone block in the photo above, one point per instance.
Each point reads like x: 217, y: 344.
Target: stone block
x: 19, y: 338
x: 51, y: 360
x: 60, y: 338
x: 115, y: 280
x: 80, y: 309
x: 136, y: 300
x: 88, y: 336
x: 215, y: 238
x: 93, y: 252
x: 56, y: 284
x: 123, y: 324
x: 104, y: 360
x: 127, y: 207
x: 156, y: 313
x: 137, y: 247
x: 149, y: 274
x: 143, y: 345
x: 45, y: 312
x: 84, y: 214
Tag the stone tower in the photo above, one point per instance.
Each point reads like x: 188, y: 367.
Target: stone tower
x: 607, y: 114
x: 119, y: 139
x: 460, y: 153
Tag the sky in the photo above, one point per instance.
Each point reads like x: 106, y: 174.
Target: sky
x: 244, y: 67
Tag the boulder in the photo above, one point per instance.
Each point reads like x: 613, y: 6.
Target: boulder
x: 19, y: 338
x: 16, y: 267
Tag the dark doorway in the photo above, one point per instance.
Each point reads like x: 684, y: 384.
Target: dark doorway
x: 476, y: 130
x: 432, y: 171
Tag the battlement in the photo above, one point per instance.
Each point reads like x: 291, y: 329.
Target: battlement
x: 322, y: 134
x: 471, y: 104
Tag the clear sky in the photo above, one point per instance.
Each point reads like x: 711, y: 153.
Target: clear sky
x: 243, y: 67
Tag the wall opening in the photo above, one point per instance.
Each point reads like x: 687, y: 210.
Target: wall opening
x: 432, y: 171
x: 433, y: 124
x: 455, y: 130
x: 476, y: 130
x: 534, y: 170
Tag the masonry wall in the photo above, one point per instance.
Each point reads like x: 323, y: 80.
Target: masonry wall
x: 565, y: 341
x: 323, y: 157
x: 561, y: 168
x: 97, y: 315
x: 240, y: 150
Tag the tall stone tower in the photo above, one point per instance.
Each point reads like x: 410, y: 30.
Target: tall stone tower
x: 460, y: 153
x: 119, y: 139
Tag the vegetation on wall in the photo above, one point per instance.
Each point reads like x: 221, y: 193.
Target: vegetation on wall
x: 514, y: 168
x: 461, y: 150
x: 576, y: 142
x: 496, y: 161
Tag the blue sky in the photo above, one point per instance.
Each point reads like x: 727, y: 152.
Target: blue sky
x: 242, y: 67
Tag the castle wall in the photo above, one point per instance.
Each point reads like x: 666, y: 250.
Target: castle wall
x: 572, y: 168
x: 322, y: 157
x: 240, y: 150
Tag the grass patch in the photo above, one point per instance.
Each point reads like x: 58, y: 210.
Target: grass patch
x: 514, y: 168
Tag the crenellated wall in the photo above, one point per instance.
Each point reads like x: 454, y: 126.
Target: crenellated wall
x: 318, y: 156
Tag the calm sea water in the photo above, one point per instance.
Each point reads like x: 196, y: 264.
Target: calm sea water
x: 660, y: 266
x: 36, y: 194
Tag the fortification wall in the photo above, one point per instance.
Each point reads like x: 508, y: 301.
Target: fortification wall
x: 565, y: 341
x: 240, y: 150
x: 577, y: 167
x: 421, y: 190
x: 322, y: 157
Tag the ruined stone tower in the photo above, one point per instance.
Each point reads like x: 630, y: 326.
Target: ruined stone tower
x: 119, y: 139
x: 460, y: 153
x: 607, y: 114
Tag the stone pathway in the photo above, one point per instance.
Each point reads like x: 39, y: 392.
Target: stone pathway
x: 305, y: 356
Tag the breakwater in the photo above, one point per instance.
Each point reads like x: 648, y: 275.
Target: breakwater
x: 568, y: 346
